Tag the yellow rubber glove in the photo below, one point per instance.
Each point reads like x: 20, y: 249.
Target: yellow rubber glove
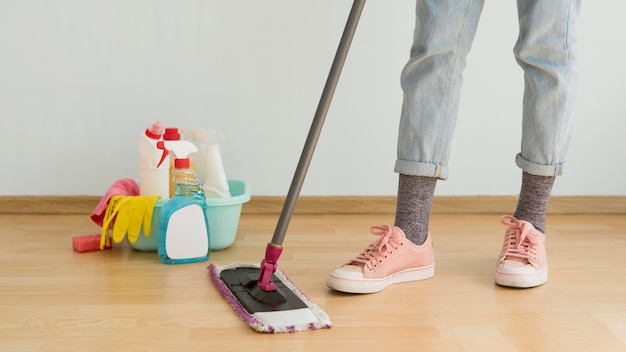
x: 112, y: 208
x: 132, y: 213
x: 147, y: 215
x: 122, y: 220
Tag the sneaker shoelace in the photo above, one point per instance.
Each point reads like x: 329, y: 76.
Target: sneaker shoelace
x: 377, y: 252
x: 520, y: 241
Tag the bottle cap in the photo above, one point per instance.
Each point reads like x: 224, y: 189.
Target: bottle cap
x: 181, y: 163
x: 171, y: 134
x: 155, y: 130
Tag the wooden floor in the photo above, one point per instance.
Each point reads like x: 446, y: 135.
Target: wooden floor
x: 54, y: 299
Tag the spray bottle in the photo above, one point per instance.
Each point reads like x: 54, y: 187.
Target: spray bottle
x: 183, y: 225
x: 209, y: 161
x: 171, y: 134
x: 153, y: 163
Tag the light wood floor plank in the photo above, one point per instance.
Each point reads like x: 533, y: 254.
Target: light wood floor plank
x: 54, y: 299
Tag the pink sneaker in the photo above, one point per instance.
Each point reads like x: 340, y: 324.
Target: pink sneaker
x: 523, y: 261
x: 389, y: 260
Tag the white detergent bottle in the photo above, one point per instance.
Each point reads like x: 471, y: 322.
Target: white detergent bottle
x: 153, y: 163
x: 215, y: 181
x: 183, y: 225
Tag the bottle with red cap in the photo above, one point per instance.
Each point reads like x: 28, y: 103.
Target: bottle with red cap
x: 171, y: 134
x: 183, y: 226
x: 154, y: 163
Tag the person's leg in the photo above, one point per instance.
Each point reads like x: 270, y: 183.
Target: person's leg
x: 547, y: 51
x: 413, y: 205
x: 431, y: 83
x: 532, y: 203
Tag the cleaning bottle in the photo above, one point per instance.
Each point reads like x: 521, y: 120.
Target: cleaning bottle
x: 171, y: 134
x: 153, y: 163
x: 183, y: 225
x: 210, y: 162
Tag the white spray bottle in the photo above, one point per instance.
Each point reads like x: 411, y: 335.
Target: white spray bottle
x: 208, y: 163
x: 153, y: 163
x: 183, y: 225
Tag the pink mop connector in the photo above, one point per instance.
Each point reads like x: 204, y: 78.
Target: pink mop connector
x: 268, y: 267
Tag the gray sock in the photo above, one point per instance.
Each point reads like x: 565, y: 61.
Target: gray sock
x: 533, y: 199
x: 415, y: 199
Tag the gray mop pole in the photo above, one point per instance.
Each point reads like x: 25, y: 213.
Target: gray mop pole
x: 318, y: 122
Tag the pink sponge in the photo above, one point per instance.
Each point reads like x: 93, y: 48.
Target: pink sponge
x: 88, y: 243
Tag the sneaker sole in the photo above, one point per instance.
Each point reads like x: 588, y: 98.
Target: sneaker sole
x: 521, y: 280
x: 379, y: 284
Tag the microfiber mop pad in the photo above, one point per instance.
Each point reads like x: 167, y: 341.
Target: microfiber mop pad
x: 307, y: 317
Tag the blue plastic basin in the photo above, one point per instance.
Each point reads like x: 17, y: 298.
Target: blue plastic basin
x: 223, y: 215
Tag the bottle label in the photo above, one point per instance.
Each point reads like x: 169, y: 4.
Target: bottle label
x: 186, y: 235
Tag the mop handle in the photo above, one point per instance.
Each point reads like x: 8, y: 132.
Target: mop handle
x: 318, y: 122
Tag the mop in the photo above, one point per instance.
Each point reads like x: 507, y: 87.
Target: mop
x: 262, y: 295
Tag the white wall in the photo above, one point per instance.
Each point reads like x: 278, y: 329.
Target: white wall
x: 80, y: 80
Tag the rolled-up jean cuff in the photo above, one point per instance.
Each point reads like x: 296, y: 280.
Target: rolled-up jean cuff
x: 539, y: 169
x: 416, y: 168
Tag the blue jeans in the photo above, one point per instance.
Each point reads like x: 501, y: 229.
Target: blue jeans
x: 431, y: 81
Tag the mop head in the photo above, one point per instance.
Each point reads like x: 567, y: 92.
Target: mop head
x: 308, y: 317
